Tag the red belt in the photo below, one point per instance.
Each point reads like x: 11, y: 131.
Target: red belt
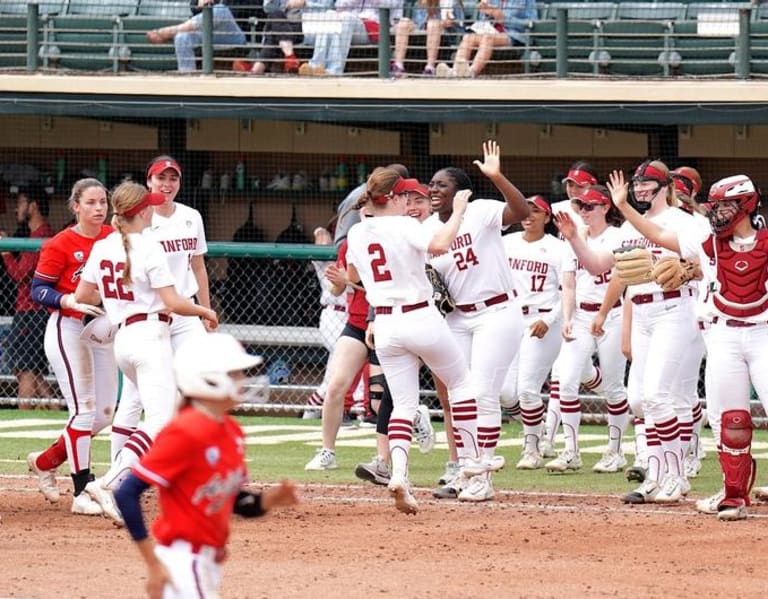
x: 142, y: 317
x: 403, y: 309
x: 527, y: 310
x: 217, y: 554
x: 589, y: 307
x: 647, y: 298
x: 496, y: 299
x: 731, y: 322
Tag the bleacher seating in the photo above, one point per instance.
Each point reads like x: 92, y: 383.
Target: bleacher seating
x: 632, y: 38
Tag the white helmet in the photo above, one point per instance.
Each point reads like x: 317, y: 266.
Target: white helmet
x: 98, y: 330
x: 203, y: 365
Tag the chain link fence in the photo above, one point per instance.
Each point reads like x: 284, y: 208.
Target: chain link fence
x: 269, y: 297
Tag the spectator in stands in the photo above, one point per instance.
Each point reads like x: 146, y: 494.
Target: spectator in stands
x: 26, y: 356
x: 499, y: 23
x: 283, y: 29
x: 436, y: 17
x: 358, y: 22
x: 187, y: 35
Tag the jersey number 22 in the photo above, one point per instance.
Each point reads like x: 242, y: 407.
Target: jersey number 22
x: 112, y: 281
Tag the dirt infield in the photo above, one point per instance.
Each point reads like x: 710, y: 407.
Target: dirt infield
x: 348, y: 541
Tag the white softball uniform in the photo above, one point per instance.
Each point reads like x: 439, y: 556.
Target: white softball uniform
x: 536, y: 273
x: 487, y: 322
x: 143, y: 342
x: 181, y: 236
x: 332, y: 320
x: 389, y: 253
x: 663, y: 329
x: 736, y: 348
x: 194, y: 573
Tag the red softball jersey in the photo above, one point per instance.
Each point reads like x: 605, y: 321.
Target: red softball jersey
x: 357, y: 304
x: 62, y: 259
x: 198, y: 464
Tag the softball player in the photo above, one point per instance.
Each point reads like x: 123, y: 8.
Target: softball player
x: 582, y: 296
x: 486, y: 323
x: 129, y: 274
x: 536, y: 260
x: 388, y: 253
x: 663, y: 326
x: 737, y: 250
x: 198, y: 465
x: 179, y: 230
x: 86, y: 372
x: 332, y: 319
x: 581, y: 175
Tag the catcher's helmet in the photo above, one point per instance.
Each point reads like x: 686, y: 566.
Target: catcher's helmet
x: 203, y: 367
x: 650, y: 170
x: 739, y: 190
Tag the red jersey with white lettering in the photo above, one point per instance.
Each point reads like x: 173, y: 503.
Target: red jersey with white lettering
x: 536, y: 269
x: 475, y: 268
x: 357, y: 303
x: 198, y: 464
x: 62, y: 259
x: 591, y: 288
x: 21, y: 270
x: 669, y: 218
x: 181, y: 236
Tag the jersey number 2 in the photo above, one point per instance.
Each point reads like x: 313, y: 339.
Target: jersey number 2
x: 112, y: 280
x: 379, y: 263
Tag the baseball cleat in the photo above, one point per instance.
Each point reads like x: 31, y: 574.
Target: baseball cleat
x: 452, y: 488
x: 731, y: 510
x: 547, y: 449
x: 375, y: 471
x: 480, y: 489
x: 530, y: 460
x: 324, y: 459
x: 481, y: 466
x: 567, y: 460
x: 104, y: 498
x: 451, y: 471
x: 400, y: 489
x: 645, y: 493
x: 709, y: 505
x: 636, y: 473
x: 46, y: 479
x: 692, y: 465
x: 612, y: 461
x: 423, y: 431
x: 761, y: 493
x: 671, y: 490
x: 83, y: 505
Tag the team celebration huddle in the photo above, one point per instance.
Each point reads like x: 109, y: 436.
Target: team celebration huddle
x: 647, y: 269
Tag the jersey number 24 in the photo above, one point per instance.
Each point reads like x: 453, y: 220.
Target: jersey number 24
x: 112, y: 281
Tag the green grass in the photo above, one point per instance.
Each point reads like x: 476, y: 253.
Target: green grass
x: 286, y: 458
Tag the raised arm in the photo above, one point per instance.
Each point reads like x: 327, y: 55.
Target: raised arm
x: 594, y: 261
x: 619, y: 190
x: 517, y: 208
x: 443, y: 237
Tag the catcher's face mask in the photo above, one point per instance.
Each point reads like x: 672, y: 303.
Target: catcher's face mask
x: 730, y: 201
x: 645, y: 185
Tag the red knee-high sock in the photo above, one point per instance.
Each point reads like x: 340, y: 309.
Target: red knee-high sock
x: 79, y: 448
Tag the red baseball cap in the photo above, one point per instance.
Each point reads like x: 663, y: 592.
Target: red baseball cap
x: 594, y: 195
x: 540, y: 203
x: 161, y: 164
x: 149, y: 199
x: 580, y: 177
x: 414, y: 186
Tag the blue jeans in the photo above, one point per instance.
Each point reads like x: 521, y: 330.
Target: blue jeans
x: 226, y: 32
x: 331, y: 50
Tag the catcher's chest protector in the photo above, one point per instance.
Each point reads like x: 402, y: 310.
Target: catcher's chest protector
x: 741, y: 276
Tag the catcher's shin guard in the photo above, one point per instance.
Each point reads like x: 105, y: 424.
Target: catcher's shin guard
x: 738, y: 465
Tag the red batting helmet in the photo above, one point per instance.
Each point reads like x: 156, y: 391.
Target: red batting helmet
x: 739, y: 190
x: 689, y: 178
